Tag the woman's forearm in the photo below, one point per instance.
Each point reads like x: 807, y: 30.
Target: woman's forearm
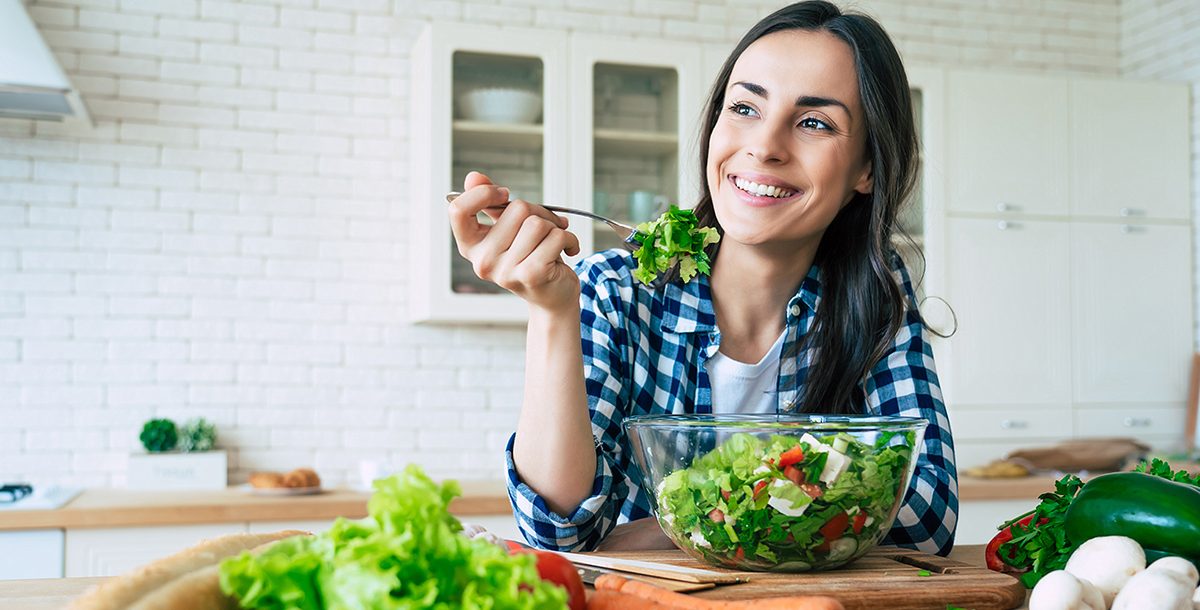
x: 553, y: 451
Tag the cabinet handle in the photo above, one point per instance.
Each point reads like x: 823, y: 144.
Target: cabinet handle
x: 1138, y: 422
x: 1004, y: 207
x: 1014, y: 424
x: 1127, y: 229
x: 1005, y: 225
x: 1127, y: 212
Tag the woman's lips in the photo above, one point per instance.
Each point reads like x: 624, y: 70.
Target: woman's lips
x: 757, y: 200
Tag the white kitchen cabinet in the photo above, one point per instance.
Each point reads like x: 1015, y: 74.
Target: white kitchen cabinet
x: 1157, y: 424
x: 112, y: 551
x: 31, y: 554
x: 1130, y: 149
x: 1131, y: 312
x: 1011, y: 423
x: 618, y: 115
x: 1007, y: 282
x: 1081, y: 301
x: 1007, y: 142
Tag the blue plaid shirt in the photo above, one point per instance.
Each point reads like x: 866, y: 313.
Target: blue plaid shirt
x: 644, y: 353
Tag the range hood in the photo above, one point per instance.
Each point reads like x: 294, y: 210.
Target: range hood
x: 32, y: 84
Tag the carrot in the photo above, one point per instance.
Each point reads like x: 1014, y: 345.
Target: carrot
x: 615, y: 600
x: 678, y: 601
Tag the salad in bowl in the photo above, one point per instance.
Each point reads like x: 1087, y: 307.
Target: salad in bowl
x: 788, y: 493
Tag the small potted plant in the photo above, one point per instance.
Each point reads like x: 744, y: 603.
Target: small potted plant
x: 178, y: 457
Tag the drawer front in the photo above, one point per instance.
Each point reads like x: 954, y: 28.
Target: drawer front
x: 1014, y: 424
x: 1131, y: 422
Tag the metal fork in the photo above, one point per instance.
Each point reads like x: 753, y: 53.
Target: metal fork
x: 629, y: 235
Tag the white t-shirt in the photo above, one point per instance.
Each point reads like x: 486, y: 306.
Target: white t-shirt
x: 738, y: 387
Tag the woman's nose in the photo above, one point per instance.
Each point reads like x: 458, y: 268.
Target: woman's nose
x: 768, y: 143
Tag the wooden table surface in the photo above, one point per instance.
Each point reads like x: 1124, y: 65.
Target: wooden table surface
x: 55, y: 593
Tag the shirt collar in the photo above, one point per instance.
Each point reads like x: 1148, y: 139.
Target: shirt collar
x: 688, y: 308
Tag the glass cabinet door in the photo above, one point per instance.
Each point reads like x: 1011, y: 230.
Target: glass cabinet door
x: 497, y: 129
x: 637, y: 105
x: 635, y: 145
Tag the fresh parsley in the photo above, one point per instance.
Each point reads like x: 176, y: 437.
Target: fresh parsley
x: 674, y: 238
x: 1159, y: 468
x: 1042, y: 545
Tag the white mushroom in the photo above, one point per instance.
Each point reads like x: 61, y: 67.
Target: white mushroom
x: 1180, y: 566
x: 1107, y: 562
x: 1060, y: 590
x: 1157, y: 589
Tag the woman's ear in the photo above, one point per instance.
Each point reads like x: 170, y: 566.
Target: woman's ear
x: 866, y: 181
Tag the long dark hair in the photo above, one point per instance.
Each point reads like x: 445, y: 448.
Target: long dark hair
x: 862, y: 305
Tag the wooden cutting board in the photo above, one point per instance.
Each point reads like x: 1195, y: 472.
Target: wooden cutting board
x: 886, y: 577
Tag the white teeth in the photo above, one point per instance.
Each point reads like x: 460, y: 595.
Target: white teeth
x: 761, y: 190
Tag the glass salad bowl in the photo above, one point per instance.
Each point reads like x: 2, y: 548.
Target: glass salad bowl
x: 787, y: 493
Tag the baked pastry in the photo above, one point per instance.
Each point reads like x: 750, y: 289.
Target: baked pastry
x: 267, y: 480
x: 302, y: 477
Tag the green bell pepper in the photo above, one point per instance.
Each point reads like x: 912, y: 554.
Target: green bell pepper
x: 1161, y: 515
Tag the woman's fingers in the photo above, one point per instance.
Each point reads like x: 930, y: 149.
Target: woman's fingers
x: 468, y: 231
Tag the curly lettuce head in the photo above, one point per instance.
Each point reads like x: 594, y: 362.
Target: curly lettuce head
x: 407, y: 554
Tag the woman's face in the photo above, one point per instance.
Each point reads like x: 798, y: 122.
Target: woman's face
x: 788, y: 150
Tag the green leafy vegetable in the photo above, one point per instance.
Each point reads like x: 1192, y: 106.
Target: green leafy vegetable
x: 159, y: 435
x: 786, y: 502
x: 1159, y: 468
x: 1042, y: 545
x: 408, y: 554
x: 676, y: 237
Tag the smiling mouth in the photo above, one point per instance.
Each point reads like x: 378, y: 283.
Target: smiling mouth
x: 762, y: 190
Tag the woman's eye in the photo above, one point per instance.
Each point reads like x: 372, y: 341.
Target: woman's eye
x: 742, y: 109
x: 811, y: 123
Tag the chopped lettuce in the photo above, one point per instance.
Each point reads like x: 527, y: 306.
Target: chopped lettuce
x: 407, y: 554
x: 673, y: 238
x: 754, y: 502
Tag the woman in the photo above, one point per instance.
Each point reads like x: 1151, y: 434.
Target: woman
x: 808, y: 149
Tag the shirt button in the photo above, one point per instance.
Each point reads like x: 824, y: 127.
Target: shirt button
x: 794, y: 310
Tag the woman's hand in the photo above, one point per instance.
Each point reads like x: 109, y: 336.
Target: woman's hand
x: 522, y: 251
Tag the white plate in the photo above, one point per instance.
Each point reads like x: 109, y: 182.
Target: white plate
x: 281, y: 491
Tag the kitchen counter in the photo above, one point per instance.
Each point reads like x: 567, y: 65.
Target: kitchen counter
x: 122, y: 507
x: 137, y: 508
x: 56, y: 593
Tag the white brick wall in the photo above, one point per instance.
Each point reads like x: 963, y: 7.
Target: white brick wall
x: 228, y: 240
x: 1160, y: 39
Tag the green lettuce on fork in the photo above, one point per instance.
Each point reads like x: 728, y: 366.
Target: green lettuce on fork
x: 409, y: 553
x: 675, y: 237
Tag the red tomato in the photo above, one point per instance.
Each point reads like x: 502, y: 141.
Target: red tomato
x: 859, y: 521
x: 791, y: 456
x: 716, y: 515
x: 555, y: 568
x: 835, y: 527
x: 759, y: 486
x: 813, y: 490
x: 794, y: 474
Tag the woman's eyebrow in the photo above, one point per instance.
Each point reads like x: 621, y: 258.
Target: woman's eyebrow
x: 807, y: 101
